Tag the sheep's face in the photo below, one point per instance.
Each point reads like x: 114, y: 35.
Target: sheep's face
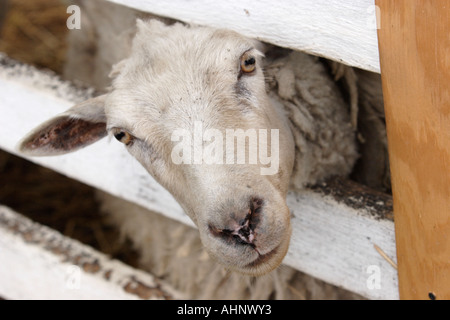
x: 190, y: 105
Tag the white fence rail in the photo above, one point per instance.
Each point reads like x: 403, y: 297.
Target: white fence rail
x: 40, y: 263
x: 341, y: 30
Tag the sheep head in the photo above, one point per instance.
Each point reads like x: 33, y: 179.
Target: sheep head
x: 190, y: 105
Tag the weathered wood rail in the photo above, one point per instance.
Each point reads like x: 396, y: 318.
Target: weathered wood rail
x: 40, y: 263
x: 344, y: 31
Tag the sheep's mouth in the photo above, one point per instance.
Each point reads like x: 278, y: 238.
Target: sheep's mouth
x: 262, y: 258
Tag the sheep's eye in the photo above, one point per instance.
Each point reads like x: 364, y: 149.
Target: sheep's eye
x: 123, y: 137
x: 248, y: 62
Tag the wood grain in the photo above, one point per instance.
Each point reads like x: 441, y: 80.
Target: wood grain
x: 414, y: 42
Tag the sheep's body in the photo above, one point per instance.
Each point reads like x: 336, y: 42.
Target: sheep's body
x: 319, y: 118
x: 325, y: 146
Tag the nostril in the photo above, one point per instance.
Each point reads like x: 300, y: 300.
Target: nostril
x: 241, y: 235
x: 244, y: 231
x: 216, y: 232
x: 241, y: 231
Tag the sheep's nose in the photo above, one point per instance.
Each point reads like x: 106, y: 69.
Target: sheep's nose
x: 240, y: 228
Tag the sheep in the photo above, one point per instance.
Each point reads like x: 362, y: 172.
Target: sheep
x: 302, y: 100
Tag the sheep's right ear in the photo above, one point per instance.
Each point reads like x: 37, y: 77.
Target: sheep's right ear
x: 81, y: 125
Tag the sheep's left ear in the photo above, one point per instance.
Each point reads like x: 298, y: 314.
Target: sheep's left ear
x: 81, y: 125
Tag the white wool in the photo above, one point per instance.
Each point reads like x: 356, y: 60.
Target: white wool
x: 320, y: 120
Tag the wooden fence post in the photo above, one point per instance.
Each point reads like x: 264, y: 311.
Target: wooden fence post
x: 414, y: 44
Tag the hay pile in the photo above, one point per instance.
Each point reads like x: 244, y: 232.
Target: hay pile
x: 32, y: 32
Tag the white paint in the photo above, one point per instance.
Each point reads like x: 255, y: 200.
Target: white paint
x: 341, y: 30
x: 30, y: 270
x: 335, y: 243
x: 329, y: 241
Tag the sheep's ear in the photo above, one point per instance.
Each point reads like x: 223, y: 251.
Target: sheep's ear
x: 261, y: 47
x: 81, y: 125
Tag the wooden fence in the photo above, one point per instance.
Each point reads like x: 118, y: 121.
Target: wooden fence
x: 343, y: 233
